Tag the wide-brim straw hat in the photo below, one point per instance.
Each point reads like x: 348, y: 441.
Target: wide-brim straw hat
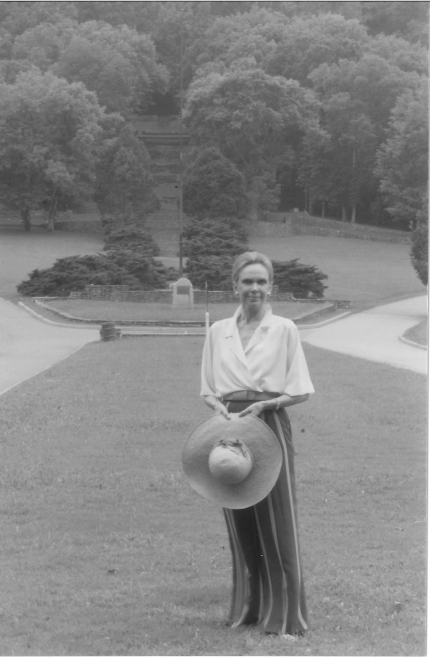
x: 258, y: 440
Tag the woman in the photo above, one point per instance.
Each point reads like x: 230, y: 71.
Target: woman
x: 254, y: 363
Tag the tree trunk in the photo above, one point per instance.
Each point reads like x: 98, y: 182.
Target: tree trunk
x: 344, y: 213
x: 51, y: 215
x: 322, y: 210
x: 354, y: 210
x: 25, y: 218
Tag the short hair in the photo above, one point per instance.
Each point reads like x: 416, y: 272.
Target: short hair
x: 251, y: 258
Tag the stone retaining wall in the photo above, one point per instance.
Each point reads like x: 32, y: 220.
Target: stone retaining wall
x: 123, y: 293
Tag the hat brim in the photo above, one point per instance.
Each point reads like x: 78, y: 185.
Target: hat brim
x: 259, y: 439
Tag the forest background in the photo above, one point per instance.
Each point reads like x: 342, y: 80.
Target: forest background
x: 313, y: 105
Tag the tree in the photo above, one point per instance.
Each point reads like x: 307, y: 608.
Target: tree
x: 405, y: 19
x: 214, y: 187
x: 116, y: 62
x: 312, y: 41
x: 357, y: 98
x: 49, y: 130
x: 252, y: 118
x: 124, y: 187
x: 402, y: 161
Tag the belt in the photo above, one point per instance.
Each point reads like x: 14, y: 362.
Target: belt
x: 249, y: 395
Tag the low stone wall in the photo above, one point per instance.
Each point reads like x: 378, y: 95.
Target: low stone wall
x: 123, y: 293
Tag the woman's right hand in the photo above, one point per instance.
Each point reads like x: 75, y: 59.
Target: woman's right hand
x: 220, y: 409
x: 216, y: 405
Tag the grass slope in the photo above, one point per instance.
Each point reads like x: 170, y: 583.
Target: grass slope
x: 106, y: 550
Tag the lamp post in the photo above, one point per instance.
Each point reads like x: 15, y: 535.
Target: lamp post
x: 180, y: 147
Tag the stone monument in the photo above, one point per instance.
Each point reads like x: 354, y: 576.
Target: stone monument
x: 183, y: 296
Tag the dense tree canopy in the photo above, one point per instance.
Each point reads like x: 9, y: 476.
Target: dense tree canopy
x: 254, y: 119
x: 297, y: 96
x: 402, y: 161
x: 49, y: 130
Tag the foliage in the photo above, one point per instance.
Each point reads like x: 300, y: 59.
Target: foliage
x: 117, y: 267
x: 356, y: 101
x: 131, y: 238
x: 116, y: 62
x: 304, y: 281
x: 420, y: 252
x: 402, y: 161
x: 124, y: 185
x: 214, y: 187
x: 251, y: 117
x: 406, y: 19
x: 49, y: 130
x: 211, y: 245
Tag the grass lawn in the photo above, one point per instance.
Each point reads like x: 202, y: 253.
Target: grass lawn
x: 123, y: 310
x: 22, y: 252
x: 419, y: 333
x: 362, y: 271
x: 106, y: 550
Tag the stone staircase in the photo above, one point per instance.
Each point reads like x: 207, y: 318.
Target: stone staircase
x: 161, y: 136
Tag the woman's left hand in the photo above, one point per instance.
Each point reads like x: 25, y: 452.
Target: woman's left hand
x: 254, y: 409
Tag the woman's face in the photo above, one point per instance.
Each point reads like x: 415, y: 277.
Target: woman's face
x: 253, y: 286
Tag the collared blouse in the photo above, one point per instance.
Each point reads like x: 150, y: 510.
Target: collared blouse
x: 273, y: 360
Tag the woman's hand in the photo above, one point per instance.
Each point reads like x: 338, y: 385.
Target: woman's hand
x: 217, y: 406
x: 254, y: 409
x: 220, y: 409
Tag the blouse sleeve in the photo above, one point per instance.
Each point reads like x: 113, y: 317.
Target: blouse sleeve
x: 298, y: 380
x: 208, y: 381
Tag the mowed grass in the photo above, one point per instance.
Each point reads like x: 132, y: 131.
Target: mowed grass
x: 135, y: 311
x: 365, y: 272
x: 419, y: 333
x: 106, y: 550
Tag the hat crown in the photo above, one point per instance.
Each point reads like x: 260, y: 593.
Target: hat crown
x: 230, y: 461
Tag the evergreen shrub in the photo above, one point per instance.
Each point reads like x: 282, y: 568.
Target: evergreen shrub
x: 211, y: 245
x: 132, y: 238
x: 303, y: 281
x: 72, y: 274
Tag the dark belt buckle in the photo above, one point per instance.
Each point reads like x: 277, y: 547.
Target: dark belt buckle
x: 250, y: 395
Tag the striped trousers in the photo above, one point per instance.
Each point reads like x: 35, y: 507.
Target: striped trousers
x: 267, y: 575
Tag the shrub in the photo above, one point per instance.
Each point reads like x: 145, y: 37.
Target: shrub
x: 301, y: 280
x: 72, y: 274
x: 419, y: 252
x: 132, y: 238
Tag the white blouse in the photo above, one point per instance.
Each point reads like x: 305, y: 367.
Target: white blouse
x: 273, y: 360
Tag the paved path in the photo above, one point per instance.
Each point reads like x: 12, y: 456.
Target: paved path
x: 29, y: 346
x: 375, y: 335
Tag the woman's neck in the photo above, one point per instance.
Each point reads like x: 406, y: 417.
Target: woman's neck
x: 251, y: 316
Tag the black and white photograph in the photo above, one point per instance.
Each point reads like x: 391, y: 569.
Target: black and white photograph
x: 214, y: 328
